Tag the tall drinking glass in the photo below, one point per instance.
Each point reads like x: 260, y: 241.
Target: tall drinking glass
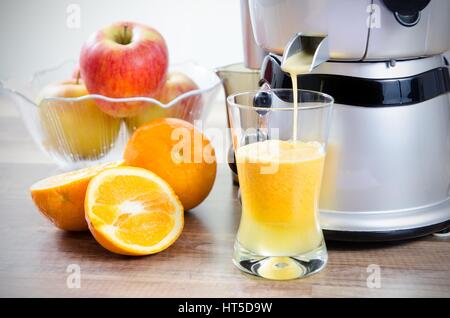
x: 280, y: 151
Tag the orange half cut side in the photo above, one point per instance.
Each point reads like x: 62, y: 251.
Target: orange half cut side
x: 132, y: 211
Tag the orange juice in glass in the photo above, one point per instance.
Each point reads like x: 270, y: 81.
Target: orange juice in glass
x: 279, y: 235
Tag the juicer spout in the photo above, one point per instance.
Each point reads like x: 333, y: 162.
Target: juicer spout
x: 313, y: 45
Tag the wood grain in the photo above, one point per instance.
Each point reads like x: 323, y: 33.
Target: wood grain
x: 34, y: 255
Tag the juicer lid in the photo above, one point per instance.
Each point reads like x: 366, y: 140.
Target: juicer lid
x: 358, y: 30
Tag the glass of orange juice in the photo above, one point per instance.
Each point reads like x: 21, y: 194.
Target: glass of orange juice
x: 280, y: 145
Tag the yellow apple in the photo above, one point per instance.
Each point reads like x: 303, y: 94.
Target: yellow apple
x: 78, y: 129
x: 189, y: 108
x: 148, y: 113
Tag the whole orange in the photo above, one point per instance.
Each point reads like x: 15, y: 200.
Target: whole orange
x: 177, y: 152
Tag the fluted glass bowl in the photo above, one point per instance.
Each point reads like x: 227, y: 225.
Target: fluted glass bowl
x: 74, y: 132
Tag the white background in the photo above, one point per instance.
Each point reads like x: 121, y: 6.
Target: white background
x: 34, y: 33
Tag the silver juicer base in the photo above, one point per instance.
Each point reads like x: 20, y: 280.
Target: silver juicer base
x: 393, y: 225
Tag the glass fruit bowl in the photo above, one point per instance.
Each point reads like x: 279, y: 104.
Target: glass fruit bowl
x: 75, y: 132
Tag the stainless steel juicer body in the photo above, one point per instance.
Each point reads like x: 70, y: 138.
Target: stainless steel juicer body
x: 387, y: 173
x: 388, y: 167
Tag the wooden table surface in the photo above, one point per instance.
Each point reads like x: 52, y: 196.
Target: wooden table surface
x: 35, y: 256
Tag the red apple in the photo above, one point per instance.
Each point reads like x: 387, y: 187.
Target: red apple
x: 125, y: 59
x: 188, y: 108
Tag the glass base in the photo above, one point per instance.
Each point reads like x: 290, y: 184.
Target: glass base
x: 280, y: 267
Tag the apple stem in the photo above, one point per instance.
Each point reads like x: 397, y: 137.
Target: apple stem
x: 125, y: 28
x: 77, y: 81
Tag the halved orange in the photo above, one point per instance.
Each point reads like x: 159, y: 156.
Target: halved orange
x: 61, y: 198
x: 132, y: 211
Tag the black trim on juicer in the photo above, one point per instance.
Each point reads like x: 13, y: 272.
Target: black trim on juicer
x: 364, y: 92
x: 385, y: 236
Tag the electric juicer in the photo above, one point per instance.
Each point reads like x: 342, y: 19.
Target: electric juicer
x: 387, y: 173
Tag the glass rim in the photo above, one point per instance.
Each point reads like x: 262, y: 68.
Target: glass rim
x: 327, y: 103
